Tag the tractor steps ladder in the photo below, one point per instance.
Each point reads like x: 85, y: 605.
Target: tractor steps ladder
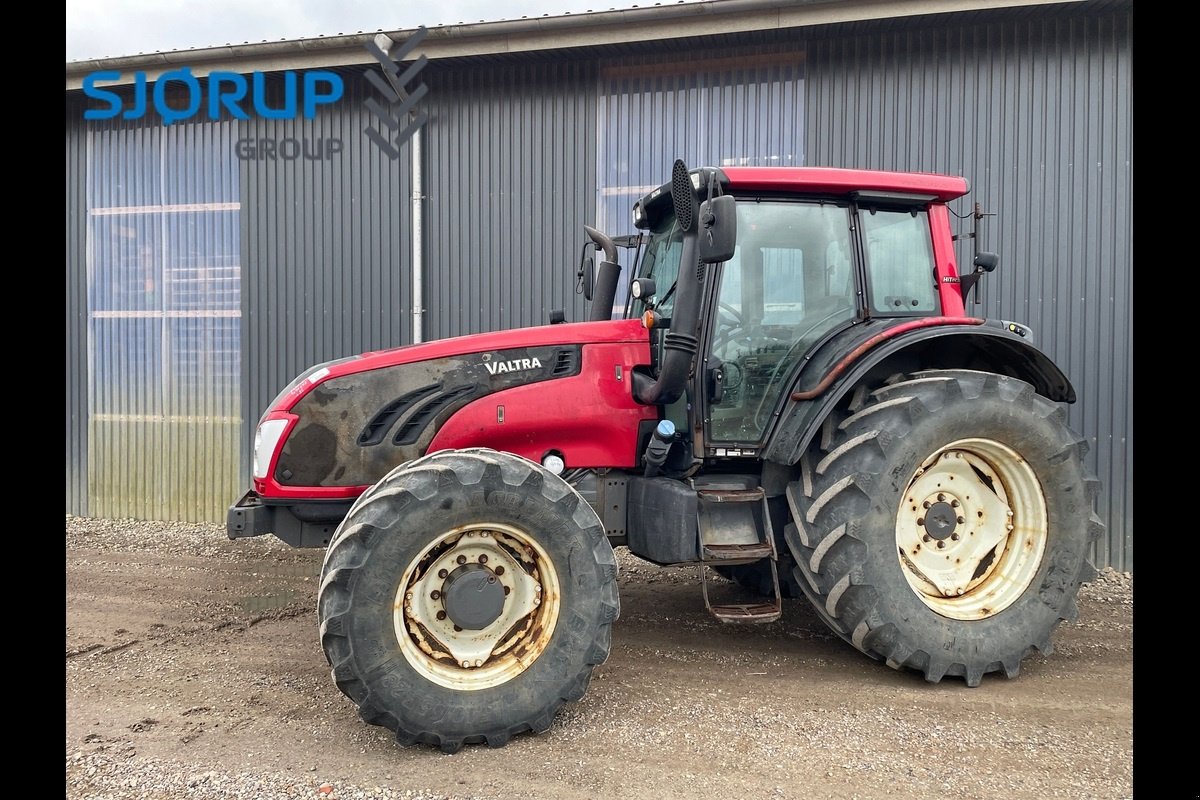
x: 735, y: 528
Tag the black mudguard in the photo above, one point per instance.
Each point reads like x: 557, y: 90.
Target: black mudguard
x: 996, y: 346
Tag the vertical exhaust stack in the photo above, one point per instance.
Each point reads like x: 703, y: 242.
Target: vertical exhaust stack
x: 607, y: 277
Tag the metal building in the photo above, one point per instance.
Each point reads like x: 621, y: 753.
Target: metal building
x: 209, y: 261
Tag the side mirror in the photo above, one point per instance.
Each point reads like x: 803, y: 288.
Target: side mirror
x: 586, y: 275
x: 718, y: 229
x: 986, y: 261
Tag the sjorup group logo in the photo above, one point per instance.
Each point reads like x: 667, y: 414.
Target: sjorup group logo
x: 179, y: 96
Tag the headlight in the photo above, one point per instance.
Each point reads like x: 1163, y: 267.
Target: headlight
x: 266, y: 439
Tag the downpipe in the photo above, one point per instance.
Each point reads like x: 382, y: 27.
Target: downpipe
x: 418, y: 248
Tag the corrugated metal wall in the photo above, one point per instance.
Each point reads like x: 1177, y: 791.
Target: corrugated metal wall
x: 510, y: 182
x: 76, y: 328
x: 1037, y: 114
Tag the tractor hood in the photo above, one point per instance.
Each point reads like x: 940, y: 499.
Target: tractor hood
x: 350, y: 421
x: 579, y: 333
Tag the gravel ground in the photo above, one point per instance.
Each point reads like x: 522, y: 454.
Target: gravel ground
x: 193, y: 671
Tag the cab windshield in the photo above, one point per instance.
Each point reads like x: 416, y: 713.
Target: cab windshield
x: 660, y: 263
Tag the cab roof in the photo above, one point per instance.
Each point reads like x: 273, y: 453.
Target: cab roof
x: 840, y: 181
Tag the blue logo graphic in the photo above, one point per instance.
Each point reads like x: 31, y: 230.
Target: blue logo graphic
x: 178, y: 95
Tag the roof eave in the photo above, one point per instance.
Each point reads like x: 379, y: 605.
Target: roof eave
x: 591, y: 29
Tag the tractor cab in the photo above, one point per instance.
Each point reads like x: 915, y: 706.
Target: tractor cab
x: 799, y: 266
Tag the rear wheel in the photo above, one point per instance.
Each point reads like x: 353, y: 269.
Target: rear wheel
x: 945, y: 524
x: 465, y: 598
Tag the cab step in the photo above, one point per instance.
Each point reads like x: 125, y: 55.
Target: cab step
x: 758, y: 611
x: 736, y: 553
x: 735, y: 528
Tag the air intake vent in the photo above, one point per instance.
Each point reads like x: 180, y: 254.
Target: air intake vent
x: 386, y: 417
x: 411, y: 430
x: 566, y: 362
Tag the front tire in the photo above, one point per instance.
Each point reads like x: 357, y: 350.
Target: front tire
x: 465, y: 598
x: 945, y: 524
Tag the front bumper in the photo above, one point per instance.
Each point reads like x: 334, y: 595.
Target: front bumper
x: 309, y: 523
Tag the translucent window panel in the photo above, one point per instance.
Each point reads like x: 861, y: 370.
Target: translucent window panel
x: 127, y: 366
x: 900, y: 270
x: 126, y: 262
x: 164, y: 304
x: 203, y: 366
x: 125, y: 165
x: 202, y: 271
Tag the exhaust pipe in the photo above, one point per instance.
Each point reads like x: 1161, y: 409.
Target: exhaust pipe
x: 607, y: 277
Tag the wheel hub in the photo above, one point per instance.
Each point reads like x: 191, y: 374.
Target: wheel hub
x: 477, y: 607
x: 473, y: 596
x: 971, y: 528
x: 940, y: 520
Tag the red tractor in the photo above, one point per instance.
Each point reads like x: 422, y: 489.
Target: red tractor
x: 796, y: 397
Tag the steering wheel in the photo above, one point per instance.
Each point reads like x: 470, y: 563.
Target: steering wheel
x: 735, y: 324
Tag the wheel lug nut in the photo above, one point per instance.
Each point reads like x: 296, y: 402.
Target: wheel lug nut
x: 925, y: 538
x: 954, y: 536
x: 954, y: 504
x: 457, y: 629
x: 461, y: 559
x: 499, y: 570
x: 442, y: 573
x: 507, y: 589
x: 441, y: 615
x: 941, y: 544
x: 435, y: 595
x: 941, y: 497
x: 483, y: 558
x: 926, y: 504
x: 921, y: 522
x: 961, y: 520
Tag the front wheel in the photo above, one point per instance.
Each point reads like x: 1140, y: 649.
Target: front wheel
x: 945, y: 525
x: 465, y: 598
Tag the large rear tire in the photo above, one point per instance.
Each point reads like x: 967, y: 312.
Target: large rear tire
x: 465, y: 598
x: 945, y: 524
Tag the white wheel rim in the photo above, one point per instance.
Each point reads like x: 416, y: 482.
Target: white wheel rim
x: 469, y: 660
x: 986, y: 531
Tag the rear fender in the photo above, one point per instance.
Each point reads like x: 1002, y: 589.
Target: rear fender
x: 994, y: 346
